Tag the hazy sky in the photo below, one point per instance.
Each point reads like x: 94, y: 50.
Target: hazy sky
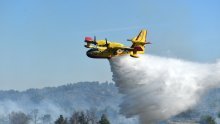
x: 41, y: 41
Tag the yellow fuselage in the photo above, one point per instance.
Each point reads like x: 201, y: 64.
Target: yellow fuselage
x: 108, y: 50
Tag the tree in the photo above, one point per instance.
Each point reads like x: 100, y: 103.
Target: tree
x: 34, y: 114
x: 207, y: 120
x: 104, y: 120
x: 61, y: 120
x: 74, y: 119
x: 92, y: 116
x: 80, y: 118
x: 218, y: 114
x: 18, y: 118
x: 46, y: 119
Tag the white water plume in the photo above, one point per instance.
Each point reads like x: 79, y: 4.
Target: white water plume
x: 157, y: 88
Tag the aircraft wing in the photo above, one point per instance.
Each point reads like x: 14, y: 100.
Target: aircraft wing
x: 134, y: 51
x: 127, y: 48
x: 136, y: 48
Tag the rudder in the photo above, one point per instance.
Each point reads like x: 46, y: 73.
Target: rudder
x: 139, y: 43
x: 141, y: 38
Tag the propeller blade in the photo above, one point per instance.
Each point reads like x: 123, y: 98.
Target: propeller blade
x: 106, y: 42
x: 95, y: 40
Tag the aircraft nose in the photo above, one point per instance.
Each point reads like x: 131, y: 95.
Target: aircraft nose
x: 92, y: 52
x: 89, y: 53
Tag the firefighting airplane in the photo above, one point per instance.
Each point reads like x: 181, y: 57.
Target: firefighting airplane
x: 107, y: 49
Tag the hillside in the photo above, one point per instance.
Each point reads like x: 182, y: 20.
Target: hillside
x: 66, y: 99
x: 103, y: 98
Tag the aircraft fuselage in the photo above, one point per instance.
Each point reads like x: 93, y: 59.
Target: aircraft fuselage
x: 105, y: 53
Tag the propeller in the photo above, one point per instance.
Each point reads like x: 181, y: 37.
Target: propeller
x: 95, y: 40
x: 106, y: 42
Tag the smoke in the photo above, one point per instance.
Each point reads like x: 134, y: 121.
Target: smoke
x: 156, y: 88
x: 27, y: 106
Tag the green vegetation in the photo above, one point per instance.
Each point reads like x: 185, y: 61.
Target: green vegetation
x: 18, y: 118
x: 88, y: 117
x: 104, y: 120
x: 207, y: 119
x: 218, y: 114
x: 61, y: 120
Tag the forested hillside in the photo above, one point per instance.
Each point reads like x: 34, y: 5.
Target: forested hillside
x: 87, y: 99
x: 101, y: 98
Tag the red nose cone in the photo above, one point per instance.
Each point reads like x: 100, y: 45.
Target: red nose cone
x: 88, y: 39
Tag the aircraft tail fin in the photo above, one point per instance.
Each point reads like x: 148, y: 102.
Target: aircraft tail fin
x: 139, y: 43
x: 141, y: 37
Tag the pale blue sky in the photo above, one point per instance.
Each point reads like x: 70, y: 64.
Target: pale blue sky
x: 41, y: 41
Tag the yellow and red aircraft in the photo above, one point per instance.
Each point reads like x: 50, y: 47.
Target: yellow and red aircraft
x: 106, y: 49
